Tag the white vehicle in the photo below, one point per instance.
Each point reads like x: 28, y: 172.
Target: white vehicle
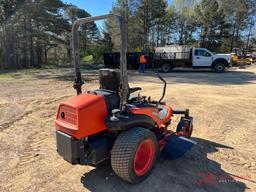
x: 195, y: 58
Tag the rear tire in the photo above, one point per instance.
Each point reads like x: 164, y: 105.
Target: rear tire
x: 127, y: 151
x: 219, y: 67
x: 166, y: 67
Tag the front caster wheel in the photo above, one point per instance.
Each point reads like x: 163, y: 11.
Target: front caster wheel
x: 134, y: 154
x: 185, y: 127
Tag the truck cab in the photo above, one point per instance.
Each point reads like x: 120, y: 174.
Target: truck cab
x: 202, y: 58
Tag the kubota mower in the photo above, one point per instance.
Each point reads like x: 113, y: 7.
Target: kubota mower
x: 109, y: 123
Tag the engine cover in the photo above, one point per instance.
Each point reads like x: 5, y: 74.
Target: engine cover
x: 82, y: 115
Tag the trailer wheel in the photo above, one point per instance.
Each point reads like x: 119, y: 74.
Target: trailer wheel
x: 166, y: 67
x: 134, y: 154
x: 219, y: 67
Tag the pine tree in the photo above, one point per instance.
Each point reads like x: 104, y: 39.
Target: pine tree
x: 30, y: 28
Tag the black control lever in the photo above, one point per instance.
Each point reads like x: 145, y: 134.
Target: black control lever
x: 164, y: 89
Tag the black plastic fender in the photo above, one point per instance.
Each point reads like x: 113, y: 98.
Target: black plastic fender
x: 125, y: 122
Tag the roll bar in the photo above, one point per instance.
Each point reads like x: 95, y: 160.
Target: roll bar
x: 124, y: 87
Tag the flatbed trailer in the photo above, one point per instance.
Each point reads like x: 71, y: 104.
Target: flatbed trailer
x: 155, y: 60
x: 112, y: 60
x: 167, y: 61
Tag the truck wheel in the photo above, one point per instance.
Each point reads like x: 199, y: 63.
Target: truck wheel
x: 134, y: 154
x: 219, y: 67
x: 166, y: 67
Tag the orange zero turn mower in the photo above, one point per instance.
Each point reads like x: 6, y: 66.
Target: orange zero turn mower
x: 107, y: 123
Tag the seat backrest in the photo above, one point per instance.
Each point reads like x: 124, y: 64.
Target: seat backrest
x: 109, y: 79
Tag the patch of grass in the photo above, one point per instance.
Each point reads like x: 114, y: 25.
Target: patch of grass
x: 6, y: 75
x: 16, y: 73
x: 13, y: 73
x: 57, y: 65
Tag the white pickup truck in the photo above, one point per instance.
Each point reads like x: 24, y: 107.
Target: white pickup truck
x: 195, y: 58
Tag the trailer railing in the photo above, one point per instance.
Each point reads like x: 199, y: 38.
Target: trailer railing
x: 171, y: 55
x: 154, y: 60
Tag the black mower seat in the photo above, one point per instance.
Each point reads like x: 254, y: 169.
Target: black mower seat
x: 111, y: 97
x: 110, y: 80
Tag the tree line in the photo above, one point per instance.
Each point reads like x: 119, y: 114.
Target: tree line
x: 36, y: 32
x: 213, y: 24
x: 31, y: 31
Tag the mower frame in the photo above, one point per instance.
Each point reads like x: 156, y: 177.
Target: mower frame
x: 131, y: 132
x: 124, y: 87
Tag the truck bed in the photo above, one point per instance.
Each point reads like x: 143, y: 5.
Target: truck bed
x: 177, y: 59
x: 155, y: 60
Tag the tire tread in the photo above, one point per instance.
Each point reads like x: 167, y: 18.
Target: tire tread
x: 124, y: 149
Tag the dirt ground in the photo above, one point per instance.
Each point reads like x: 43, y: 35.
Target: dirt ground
x: 224, y: 111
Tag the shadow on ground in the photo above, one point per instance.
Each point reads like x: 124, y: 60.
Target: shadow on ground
x: 67, y: 75
x: 192, y: 172
x: 230, y: 77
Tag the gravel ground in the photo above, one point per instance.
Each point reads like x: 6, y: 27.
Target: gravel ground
x: 223, y: 107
